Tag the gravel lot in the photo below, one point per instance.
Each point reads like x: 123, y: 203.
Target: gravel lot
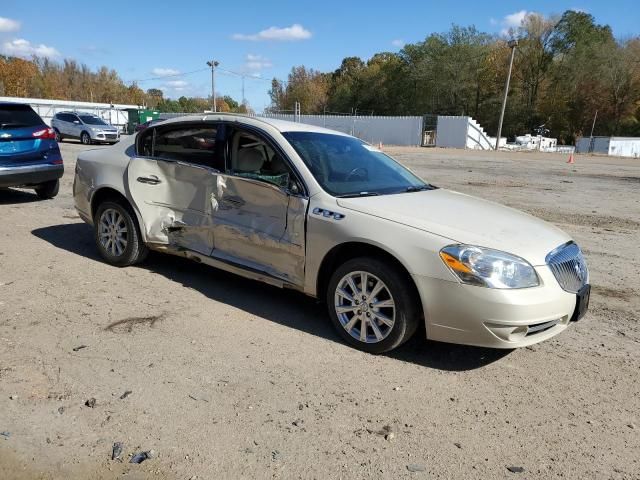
x: 229, y: 378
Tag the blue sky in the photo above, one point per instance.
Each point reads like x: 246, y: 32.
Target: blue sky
x: 145, y: 39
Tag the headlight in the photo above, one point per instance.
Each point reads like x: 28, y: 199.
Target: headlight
x: 489, y: 268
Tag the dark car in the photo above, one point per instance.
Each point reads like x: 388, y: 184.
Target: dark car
x: 29, y: 153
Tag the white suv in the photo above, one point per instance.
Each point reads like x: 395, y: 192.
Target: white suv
x: 86, y: 127
x: 322, y: 212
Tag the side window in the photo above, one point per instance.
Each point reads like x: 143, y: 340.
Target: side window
x: 144, y: 143
x: 74, y: 118
x: 193, y: 144
x: 251, y: 157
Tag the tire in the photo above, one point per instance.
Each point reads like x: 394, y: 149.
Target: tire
x: 121, y: 245
x: 387, y: 325
x: 58, y: 135
x: 48, y: 189
x: 85, y: 138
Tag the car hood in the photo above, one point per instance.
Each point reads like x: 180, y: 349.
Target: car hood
x: 465, y: 219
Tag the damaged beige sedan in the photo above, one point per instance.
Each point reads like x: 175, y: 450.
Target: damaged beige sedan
x: 302, y: 207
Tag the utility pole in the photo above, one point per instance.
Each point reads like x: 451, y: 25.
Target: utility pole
x: 513, y: 43
x: 213, y: 64
x: 243, y: 99
x: 593, y: 125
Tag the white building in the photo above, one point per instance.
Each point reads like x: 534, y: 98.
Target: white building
x: 464, y: 132
x: 110, y: 113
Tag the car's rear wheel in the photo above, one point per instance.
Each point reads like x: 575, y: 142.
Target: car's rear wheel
x: 58, y: 135
x: 85, y: 138
x: 117, y: 235
x: 372, y: 304
x: 48, y: 190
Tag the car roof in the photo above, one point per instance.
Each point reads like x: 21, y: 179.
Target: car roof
x: 280, y: 125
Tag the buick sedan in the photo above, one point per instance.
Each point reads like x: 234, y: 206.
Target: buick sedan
x: 322, y: 212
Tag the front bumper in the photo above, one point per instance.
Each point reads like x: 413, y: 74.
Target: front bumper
x: 29, y: 175
x: 111, y: 137
x: 470, y: 315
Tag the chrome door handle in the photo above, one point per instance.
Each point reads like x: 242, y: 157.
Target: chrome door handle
x: 150, y: 180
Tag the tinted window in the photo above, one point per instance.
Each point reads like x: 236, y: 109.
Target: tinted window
x: 67, y: 117
x: 347, y: 166
x: 144, y: 143
x: 193, y: 144
x: 92, y: 120
x: 18, y: 116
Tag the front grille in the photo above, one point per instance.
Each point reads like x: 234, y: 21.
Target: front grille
x: 568, y: 266
x: 111, y: 136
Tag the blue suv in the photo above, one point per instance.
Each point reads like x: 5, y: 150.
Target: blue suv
x: 29, y: 153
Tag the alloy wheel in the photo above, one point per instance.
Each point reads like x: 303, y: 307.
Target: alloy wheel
x: 365, y: 307
x: 113, y: 232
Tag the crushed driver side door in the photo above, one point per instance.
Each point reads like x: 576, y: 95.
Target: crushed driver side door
x: 172, y: 183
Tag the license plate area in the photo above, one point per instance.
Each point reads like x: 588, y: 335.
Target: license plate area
x: 582, y: 303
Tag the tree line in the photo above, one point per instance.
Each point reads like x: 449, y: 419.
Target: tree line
x: 566, y: 69
x: 70, y: 80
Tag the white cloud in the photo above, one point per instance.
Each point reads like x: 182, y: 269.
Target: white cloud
x: 257, y: 62
x: 8, y: 25
x: 164, y: 72
x: 293, y: 33
x: 176, y: 84
x: 398, y: 42
x: 512, y: 21
x: 25, y: 49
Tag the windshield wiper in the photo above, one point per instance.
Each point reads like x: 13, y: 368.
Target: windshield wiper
x: 358, y: 194
x: 420, y: 188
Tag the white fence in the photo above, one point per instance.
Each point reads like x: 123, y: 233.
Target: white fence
x: 372, y: 129
x: 615, y: 146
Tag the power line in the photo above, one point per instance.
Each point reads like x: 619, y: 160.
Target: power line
x: 168, y: 76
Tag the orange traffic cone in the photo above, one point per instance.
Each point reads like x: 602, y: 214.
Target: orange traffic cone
x: 570, y: 159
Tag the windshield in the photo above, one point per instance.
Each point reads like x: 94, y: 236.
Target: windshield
x: 91, y: 120
x: 346, y: 166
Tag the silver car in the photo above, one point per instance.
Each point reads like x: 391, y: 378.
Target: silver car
x: 86, y: 127
x: 315, y: 210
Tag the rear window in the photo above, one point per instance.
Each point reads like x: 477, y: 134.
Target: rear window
x: 18, y: 116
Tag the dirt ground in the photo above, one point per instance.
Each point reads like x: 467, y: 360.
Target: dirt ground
x: 229, y: 378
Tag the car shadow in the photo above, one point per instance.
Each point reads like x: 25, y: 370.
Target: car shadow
x: 9, y: 196
x: 285, y: 307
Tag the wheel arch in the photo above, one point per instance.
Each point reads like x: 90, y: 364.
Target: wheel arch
x: 105, y: 193
x: 354, y: 249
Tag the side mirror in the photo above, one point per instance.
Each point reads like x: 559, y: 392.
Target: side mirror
x: 77, y: 122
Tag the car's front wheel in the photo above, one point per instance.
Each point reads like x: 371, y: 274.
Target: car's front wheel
x: 85, y: 138
x: 117, y: 235
x: 48, y: 189
x: 372, y: 304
